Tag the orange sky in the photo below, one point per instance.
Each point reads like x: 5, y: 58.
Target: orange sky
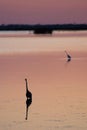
x: 43, y: 11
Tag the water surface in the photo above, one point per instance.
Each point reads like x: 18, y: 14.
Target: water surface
x: 59, y: 88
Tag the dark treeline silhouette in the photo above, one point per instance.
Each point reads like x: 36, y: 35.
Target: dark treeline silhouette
x: 42, y: 28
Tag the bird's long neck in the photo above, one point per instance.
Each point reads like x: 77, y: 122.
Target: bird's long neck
x: 66, y: 53
x: 26, y: 86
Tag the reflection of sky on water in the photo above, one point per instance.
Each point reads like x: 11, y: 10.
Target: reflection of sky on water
x: 27, y: 43
x: 59, y: 90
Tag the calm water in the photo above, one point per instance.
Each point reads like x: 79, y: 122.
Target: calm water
x: 59, y: 88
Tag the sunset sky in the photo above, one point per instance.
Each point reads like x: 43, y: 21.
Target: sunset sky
x: 43, y: 11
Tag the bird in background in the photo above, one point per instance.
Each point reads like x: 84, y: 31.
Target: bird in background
x: 28, y: 93
x: 68, y: 56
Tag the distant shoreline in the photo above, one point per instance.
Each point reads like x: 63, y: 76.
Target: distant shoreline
x: 43, y: 29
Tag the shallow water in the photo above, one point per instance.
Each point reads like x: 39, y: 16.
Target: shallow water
x: 59, y: 88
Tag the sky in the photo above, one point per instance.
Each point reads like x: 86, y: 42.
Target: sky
x: 43, y: 11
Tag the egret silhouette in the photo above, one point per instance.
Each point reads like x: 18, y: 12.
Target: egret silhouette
x: 28, y: 93
x: 68, y: 56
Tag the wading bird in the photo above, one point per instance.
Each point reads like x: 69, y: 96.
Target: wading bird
x: 68, y: 56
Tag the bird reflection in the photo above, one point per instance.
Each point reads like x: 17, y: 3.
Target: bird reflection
x: 28, y: 103
x: 68, y: 57
x: 29, y: 99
